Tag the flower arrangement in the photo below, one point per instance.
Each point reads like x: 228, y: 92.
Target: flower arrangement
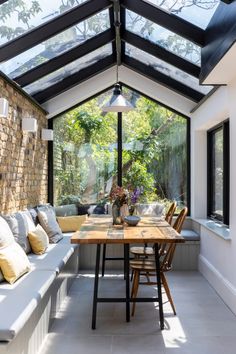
x: 134, y: 195
x: 118, y: 195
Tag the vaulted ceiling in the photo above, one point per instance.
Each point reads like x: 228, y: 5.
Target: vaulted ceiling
x: 48, y: 47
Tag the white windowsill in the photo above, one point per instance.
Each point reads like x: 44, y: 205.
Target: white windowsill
x: 219, y: 229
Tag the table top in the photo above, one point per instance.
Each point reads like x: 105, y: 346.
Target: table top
x: 99, y: 229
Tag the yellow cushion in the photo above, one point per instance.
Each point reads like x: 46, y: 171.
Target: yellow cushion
x: 71, y: 223
x: 38, y: 240
x: 13, y: 262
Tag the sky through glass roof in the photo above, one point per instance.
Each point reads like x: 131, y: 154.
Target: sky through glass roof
x: 198, y: 12
x: 165, y: 68
x: 17, y: 18
x: 56, y: 45
x: 69, y: 69
x: 163, y: 37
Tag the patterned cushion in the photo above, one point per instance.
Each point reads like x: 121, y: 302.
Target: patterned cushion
x: 21, y: 224
x: 47, y: 219
x: 6, y: 236
x: 34, y: 215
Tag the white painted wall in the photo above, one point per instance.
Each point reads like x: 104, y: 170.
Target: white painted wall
x: 103, y: 80
x: 217, y: 260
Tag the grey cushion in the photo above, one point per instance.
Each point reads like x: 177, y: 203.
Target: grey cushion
x: 6, y: 235
x: 66, y: 240
x: 19, y: 300
x: 66, y: 210
x: 55, y: 257
x: 21, y: 223
x: 152, y: 209
x: 47, y: 219
x: 190, y: 235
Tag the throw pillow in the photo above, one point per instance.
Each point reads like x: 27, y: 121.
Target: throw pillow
x: 47, y: 219
x: 6, y: 236
x: 38, y: 240
x: 66, y: 210
x: 13, y: 262
x: 71, y: 223
x: 21, y: 223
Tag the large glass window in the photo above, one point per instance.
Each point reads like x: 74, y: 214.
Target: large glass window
x: 85, y: 153
x: 218, y: 173
x: 154, y: 152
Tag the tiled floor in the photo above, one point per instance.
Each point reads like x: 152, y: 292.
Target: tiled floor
x: 203, y: 325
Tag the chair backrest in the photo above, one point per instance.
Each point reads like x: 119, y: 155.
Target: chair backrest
x: 178, y: 224
x: 169, y: 249
x: 170, y: 212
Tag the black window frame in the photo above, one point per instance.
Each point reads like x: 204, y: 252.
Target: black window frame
x: 119, y: 144
x: 224, y: 126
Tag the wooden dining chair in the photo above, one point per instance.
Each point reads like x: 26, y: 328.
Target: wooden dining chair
x: 145, y: 251
x: 148, y: 266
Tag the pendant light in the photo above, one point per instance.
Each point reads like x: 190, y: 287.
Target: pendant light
x: 117, y: 102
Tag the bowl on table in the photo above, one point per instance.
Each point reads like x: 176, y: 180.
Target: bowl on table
x: 132, y: 220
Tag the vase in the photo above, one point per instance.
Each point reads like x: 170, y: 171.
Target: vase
x: 124, y: 211
x: 132, y: 209
x: 116, y: 214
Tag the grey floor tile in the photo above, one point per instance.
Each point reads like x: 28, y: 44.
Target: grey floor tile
x: 203, y: 323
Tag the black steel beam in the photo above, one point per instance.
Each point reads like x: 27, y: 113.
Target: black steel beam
x: 161, y: 53
x: 167, y: 20
x: 49, y: 29
x: 74, y: 79
x: 65, y: 58
x: 162, y: 79
x: 2, y: 1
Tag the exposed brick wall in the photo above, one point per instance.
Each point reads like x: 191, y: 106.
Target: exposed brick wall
x: 23, y: 156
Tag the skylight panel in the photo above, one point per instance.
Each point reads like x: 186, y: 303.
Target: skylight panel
x: 19, y: 17
x: 197, y: 12
x: 163, y: 37
x: 56, y: 45
x: 69, y: 69
x: 166, y: 69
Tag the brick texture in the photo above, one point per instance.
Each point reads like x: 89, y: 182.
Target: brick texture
x: 23, y: 155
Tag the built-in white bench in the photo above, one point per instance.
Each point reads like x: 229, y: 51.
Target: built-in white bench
x: 28, y: 306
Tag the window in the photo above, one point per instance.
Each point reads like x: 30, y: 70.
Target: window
x: 154, y: 154
x: 218, y: 173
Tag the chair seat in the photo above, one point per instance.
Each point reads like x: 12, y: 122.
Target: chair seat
x: 143, y: 265
x: 142, y: 250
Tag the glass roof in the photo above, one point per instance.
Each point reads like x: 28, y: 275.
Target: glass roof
x: 163, y: 37
x: 165, y: 68
x: 19, y: 17
x: 198, y: 12
x: 56, y: 45
x: 69, y: 69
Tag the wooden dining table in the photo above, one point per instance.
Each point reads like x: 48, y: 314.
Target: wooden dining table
x: 99, y: 229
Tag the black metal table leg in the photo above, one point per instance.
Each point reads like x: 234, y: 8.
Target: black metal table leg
x: 124, y: 263
x: 103, y: 259
x: 127, y: 280
x: 95, y: 292
x: 161, y: 315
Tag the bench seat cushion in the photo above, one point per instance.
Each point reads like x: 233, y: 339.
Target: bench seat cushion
x: 190, y: 235
x: 55, y: 257
x: 18, y: 301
